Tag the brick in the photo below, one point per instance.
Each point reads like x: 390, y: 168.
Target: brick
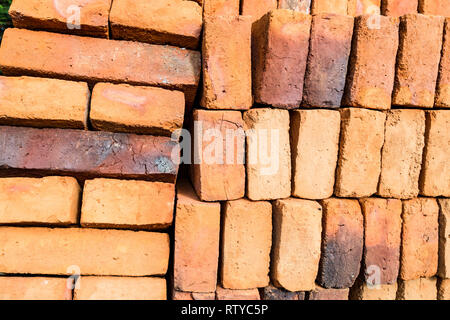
x: 296, y: 243
x: 443, y: 289
x: 329, y: 51
x: 364, y: 7
x: 401, y: 157
x: 121, y: 288
x: 420, y: 239
x: 34, y: 288
x: 296, y: 5
x: 136, y: 109
x: 58, y: 15
x: 371, y: 70
x: 280, y: 41
x: 246, y: 244
x: 417, y: 289
x: 127, y: 204
x: 228, y: 294
x: 359, y: 164
x: 435, y: 175
x: 54, y: 251
x: 328, y: 294
x: 86, y: 154
x: 50, y: 200
x: 268, y: 154
x: 382, y: 239
x: 315, y: 144
x: 38, y: 53
x: 40, y: 102
x: 227, y: 70
x: 435, y: 7
x: 415, y: 84
x: 342, y: 243
x: 361, y: 291
x: 398, y: 8
x: 186, y: 296
x: 442, y: 99
x: 257, y: 8
x: 197, y: 235
x: 273, y: 293
x: 327, y: 6
x: 221, y: 8
x: 444, y: 235
x: 219, y: 175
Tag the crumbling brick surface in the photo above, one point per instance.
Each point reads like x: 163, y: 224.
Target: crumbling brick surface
x: 443, y: 83
x: 444, y: 235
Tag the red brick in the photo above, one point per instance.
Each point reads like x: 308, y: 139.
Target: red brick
x: 442, y: 99
x: 398, y: 8
x: 296, y: 5
x: 444, y: 235
x: 328, y: 294
x: 361, y: 291
x: 186, y: 296
x: 34, y: 288
x: 417, y: 289
x: 273, y: 293
x: 435, y: 7
x: 257, y: 8
x: 364, y: 7
x: 221, y: 8
x: 329, y: 6
x: 228, y: 294
x: 443, y: 289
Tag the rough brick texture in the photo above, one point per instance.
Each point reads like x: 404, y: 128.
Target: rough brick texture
x: 329, y: 6
x: 444, y: 235
x: 320, y: 293
x: 296, y: 5
x: 398, y: 8
x: 257, y: 8
x: 227, y: 294
x: 435, y: 7
x: 221, y: 8
x: 186, y: 296
x: 443, y: 289
x: 34, y: 288
x: 442, y: 99
x: 361, y: 291
x: 364, y: 7
x: 273, y: 293
x: 417, y: 289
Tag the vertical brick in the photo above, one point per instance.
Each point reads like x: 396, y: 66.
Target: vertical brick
x: 229, y: 294
x: 444, y: 235
x: 361, y: 291
x: 435, y: 7
x: 220, y: 8
x: 359, y: 164
x: 296, y: 246
x: 442, y: 99
x: 417, y: 289
x: 329, y: 6
x: 398, y: 8
x: 246, y: 244
x: 257, y: 8
x: 320, y: 293
x: 364, y: 7
x: 273, y: 293
x: 443, y: 289
x: 296, y: 5
x: 34, y: 288
x: 186, y: 296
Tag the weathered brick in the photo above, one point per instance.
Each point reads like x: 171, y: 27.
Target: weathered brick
x: 34, y: 288
x: 417, y: 289
x: 444, y: 235
x: 364, y: 7
x: 136, y: 109
x: 86, y: 154
x: 401, y: 158
x: 94, y: 60
x: 228, y: 294
x: 342, y: 243
x: 50, y: 200
x: 359, y: 164
x: 257, y: 8
x: 95, y: 252
x: 398, y: 8
x: 415, y: 83
x: 221, y: 8
x: 273, y: 293
x: 315, y: 144
x: 185, y: 296
x: 246, y: 244
x: 371, y: 70
x: 329, y: 51
x: 296, y: 243
x: 219, y: 175
x: 442, y: 99
x: 197, y: 234
x: 268, y: 154
x: 420, y: 239
x: 328, y: 294
x: 329, y: 6
x: 296, y: 5
x: 361, y: 291
x: 443, y: 287
x: 435, y: 7
x: 280, y: 42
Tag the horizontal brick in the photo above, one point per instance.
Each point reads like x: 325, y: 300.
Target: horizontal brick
x: 364, y: 7
x: 135, y: 109
x: 444, y: 235
x: 34, y: 288
x: 417, y: 289
x: 443, y: 289
x: 221, y: 8
x: 435, y: 7
x: 320, y: 293
x: 398, y: 8
x: 186, y: 296
x: 296, y: 5
x: 327, y: 6
x: 94, y: 60
x: 50, y: 200
x: 361, y: 291
x: 442, y: 99
x: 56, y: 251
x: 228, y: 294
x: 273, y: 293
x: 257, y: 8
x: 86, y: 154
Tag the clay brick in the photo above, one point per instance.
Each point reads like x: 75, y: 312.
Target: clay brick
x: 443, y: 289
x: 221, y: 8
x: 382, y: 239
x: 121, y: 288
x: 315, y: 144
x: 219, y: 176
x: 246, y: 244
x: 329, y: 6
x: 417, y: 289
x: 268, y: 154
x: 435, y: 175
x: 50, y: 200
x: 228, y: 294
x: 364, y: 7
x: 34, y: 288
x: 361, y: 291
x: 415, y: 83
x: 371, y: 70
x: 435, y: 7
x: 127, y: 204
x: 86, y: 154
x: 186, y: 296
x: 273, y: 293
x: 94, y: 60
x: 398, y: 8
x: 40, y: 102
x: 359, y: 164
x: 95, y: 252
x: 444, y: 235
x: 227, y: 70
x: 135, y: 109
x: 329, y: 51
x: 342, y: 243
x: 442, y: 99
x: 197, y: 235
x: 296, y: 5
x: 280, y: 42
x: 420, y: 239
x: 58, y: 15
x: 257, y: 8
x: 296, y: 244
x: 401, y: 158
x: 328, y: 294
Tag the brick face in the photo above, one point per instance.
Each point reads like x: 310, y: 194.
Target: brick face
x: 443, y: 84
x: 327, y: 6
x: 398, y: 8
x: 320, y: 293
x: 417, y: 289
x: 273, y: 293
x: 435, y: 7
x: 34, y: 288
x: 364, y: 7
x: 443, y: 289
x: 220, y: 8
x: 361, y: 291
x: 296, y: 5
x: 257, y: 8
x: 227, y: 294
x: 444, y: 235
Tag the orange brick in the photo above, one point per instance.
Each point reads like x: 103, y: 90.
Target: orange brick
x: 34, y: 288
x: 186, y: 296
x: 398, y: 8
x: 442, y: 99
x: 443, y: 289
x: 444, y: 235
x: 227, y: 294
x: 435, y: 7
x: 361, y: 291
x: 417, y: 289
x: 364, y: 7
x: 329, y: 6
x: 320, y: 293
x: 221, y: 8
x: 296, y: 5
x: 257, y: 8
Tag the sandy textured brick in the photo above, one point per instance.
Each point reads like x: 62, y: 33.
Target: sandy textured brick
x: 435, y: 175
x: 443, y: 289
x: 221, y: 8
x: 364, y: 7
x: 218, y: 176
x: 49, y: 200
x: 197, y: 234
x: 315, y: 144
x: 187, y: 296
x: 34, y: 288
x: 136, y: 109
x: 444, y: 235
x: 435, y: 7
x: 401, y: 158
x: 296, y: 5
x: 359, y: 164
x: 329, y: 6
x: 120, y: 288
x: 280, y: 42
x: 320, y: 293
x: 342, y: 243
x: 329, y: 51
x: 296, y: 247
x: 273, y: 293
x: 442, y: 99
x: 268, y: 154
x: 361, y: 291
x: 371, y: 70
x: 415, y: 83
x: 229, y: 294
x: 398, y: 8
x: 95, y: 252
x: 257, y: 8
x: 420, y: 238
x: 417, y: 289
x: 246, y: 244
